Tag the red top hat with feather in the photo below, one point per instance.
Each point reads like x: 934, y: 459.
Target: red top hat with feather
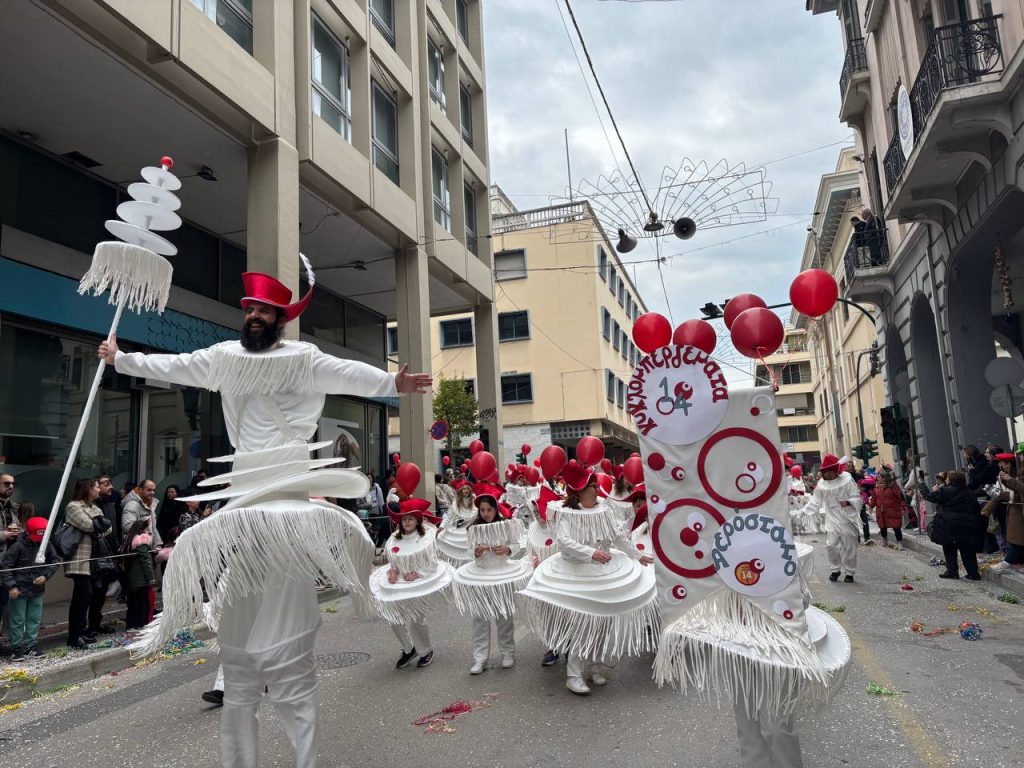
x: 264, y: 289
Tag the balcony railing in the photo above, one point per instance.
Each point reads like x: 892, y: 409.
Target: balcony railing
x: 867, y: 249
x: 856, y: 61
x: 959, y: 54
x: 539, y: 217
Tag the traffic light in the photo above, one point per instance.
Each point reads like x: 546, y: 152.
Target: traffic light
x: 858, y: 451
x: 520, y: 458
x: 903, y: 435
x: 889, y: 417
x: 876, y: 366
x: 869, y: 449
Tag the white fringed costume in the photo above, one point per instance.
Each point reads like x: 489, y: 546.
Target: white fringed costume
x: 597, y: 612
x: 260, y: 554
x: 406, y: 605
x: 841, y: 523
x: 521, y: 498
x: 485, y: 588
x: 452, y: 541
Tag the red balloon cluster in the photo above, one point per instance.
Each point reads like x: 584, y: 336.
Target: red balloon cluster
x: 652, y: 331
x: 755, y: 330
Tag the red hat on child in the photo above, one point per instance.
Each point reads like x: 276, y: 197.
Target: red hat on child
x: 486, y: 491
x: 546, y: 497
x: 576, y: 476
x: 830, y: 462
x: 418, y: 508
x: 259, y: 288
x: 36, y: 527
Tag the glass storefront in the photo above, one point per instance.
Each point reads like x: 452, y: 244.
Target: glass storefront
x: 354, y: 428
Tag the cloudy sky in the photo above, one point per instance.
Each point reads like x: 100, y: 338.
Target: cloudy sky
x: 746, y: 80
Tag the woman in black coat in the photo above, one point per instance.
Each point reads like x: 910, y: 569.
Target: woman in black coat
x: 957, y: 525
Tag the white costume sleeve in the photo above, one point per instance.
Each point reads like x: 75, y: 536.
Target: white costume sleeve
x: 190, y: 369
x: 814, y: 505
x: 572, y: 548
x: 334, y: 376
x: 623, y: 543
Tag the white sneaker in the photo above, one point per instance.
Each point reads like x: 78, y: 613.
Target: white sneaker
x: 477, y: 668
x: 577, y: 686
x: 507, y: 662
x: 599, y: 679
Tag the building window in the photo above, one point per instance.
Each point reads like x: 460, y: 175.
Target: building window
x: 470, y: 385
x: 620, y: 390
x: 466, y: 114
x: 611, y: 279
x: 622, y: 293
x: 606, y: 323
x: 629, y: 305
x: 332, y: 92
x: 516, y: 388
x: 436, y: 60
x: 510, y: 265
x: 513, y: 326
x: 609, y: 385
x: 382, y: 12
x: 625, y: 346
x: 469, y: 200
x: 462, y: 18
x: 457, y: 333
x: 615, y: 335
x: 232, y: 16
x: 790, y: 374
x: 393, y: 341
x: 798, y: 434
x: 385, y: 132
x: 442, y: 199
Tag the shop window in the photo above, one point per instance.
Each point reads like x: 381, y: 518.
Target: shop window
x: 393, y: 341
x: 234, y: 17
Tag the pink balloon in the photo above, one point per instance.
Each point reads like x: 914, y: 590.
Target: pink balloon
x: 590, y: 450
x: 813, y: 292
x: 408, y: 477
x: 757, y: 332
x: 741, y: 303
x: 696, y: 333
x: 652, y: 331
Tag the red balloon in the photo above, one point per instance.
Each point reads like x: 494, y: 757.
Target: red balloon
x: 408, y: 477
x: 446, y: 460
x: 696, y: 333
x: 633, y: 469
x: 590, y: 450
x: 741, y: 303
x: 757, y: 332
x: 475, y: 447
x: 526, y: 449
x: 813, y: 292
x: 395, y: 457
x: 464, y: 467
x: 536, y: 462
x: 493, y: 478
x: 483, y: 465
x: 606, y: 466
x: 634, y: 454
x: 532, y: 475
x: 552, y: 460
x: 511, y: 467
x: 652, y: 331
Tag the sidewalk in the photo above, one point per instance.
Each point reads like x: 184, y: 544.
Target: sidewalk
x: 61, y: 666
x: 1009, y: 580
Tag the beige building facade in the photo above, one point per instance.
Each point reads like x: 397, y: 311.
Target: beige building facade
x: 930, y: 89
x: 565, y: 309
x: 354, y: 131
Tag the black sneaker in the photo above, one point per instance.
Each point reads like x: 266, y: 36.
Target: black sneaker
x: 214, y: 697
x: 405, y: 659
x: 33, y: 653
x: 425, y: 660
x: 848, y: 579
x: 550, y: 658
x: 948, y: 575
x: 102, y: 629
x: 974, y: 577
x: 17, y: 656
x: 834, y: 576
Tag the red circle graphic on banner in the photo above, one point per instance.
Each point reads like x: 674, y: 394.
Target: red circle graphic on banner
x: 663, y: 540
x: 773, y: 457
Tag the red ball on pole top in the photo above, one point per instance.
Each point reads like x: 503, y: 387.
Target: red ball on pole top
x: 166, y: 163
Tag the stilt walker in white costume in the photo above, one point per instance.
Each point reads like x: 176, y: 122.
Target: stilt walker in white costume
x: 590, y: 600
x: 261, y: 552
x: 837, y: 496
x: 411, y: 586
x: 452, y: 541
x: 485, y: 588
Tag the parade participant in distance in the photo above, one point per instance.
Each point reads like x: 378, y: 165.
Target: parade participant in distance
x: 837, y: 496
x: 452, y: 542
x: 540, y: 540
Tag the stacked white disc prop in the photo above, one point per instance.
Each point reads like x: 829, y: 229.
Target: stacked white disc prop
x: 135, y: 273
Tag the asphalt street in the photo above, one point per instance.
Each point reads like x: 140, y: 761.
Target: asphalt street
x: 960, y: 704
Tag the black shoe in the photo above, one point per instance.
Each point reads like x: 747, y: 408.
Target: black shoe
x: 34, y: 653
x: 405, y: 659
x: 549, y: 659
x: 214, y: 697
x: 102, y: 629
x: 848, y: 579
x: 974, y: 576
x: 17, y: 656
x: 425, y: 660
x: 78, y: 645
x: 834, y: 576
x: 948, y: 575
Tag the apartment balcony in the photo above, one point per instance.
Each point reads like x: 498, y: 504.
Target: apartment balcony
x: 854, y: 82
x: 867, y: 265
x: 957, y: 100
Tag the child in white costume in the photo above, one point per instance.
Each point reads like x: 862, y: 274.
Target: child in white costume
x: 540, y: 541
x: 485, y: 588
x: 838, y: 496
x: 452, y: 542
x: 411, y: 586
x: 589, y: 599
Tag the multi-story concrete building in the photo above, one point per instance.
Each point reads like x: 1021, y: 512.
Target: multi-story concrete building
x: 847, y: 397
x: 931, y: 92
x: 799, y: 423
x: 566, y: 307
x: 353, y: 131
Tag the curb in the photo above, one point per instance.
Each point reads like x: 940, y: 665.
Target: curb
x: 92, y: 666
x: 1009, y: 581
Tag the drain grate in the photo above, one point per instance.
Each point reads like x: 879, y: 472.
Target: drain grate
x: 341, y: 660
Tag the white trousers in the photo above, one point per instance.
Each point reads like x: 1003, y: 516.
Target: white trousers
x: 413, y: 635
x: 288, y: 671
x: 218, y: 684
x: 766, y: 742
x: 577, y: 666
x: 841, y: 547
x: 482, y: 638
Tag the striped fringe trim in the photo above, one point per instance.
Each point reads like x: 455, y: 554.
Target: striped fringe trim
x: 588, y: 526
x: 245, y: 374
x: 415, y: 609
x: 135, y: 276
x: 595, y: 637
x: 490, y: 601
x: 422, y: 559
x: 496, y: 534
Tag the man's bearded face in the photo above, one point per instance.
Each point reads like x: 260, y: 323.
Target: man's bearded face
x: 261, y: 329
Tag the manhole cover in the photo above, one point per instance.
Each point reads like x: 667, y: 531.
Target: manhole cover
x: 340, y: 660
